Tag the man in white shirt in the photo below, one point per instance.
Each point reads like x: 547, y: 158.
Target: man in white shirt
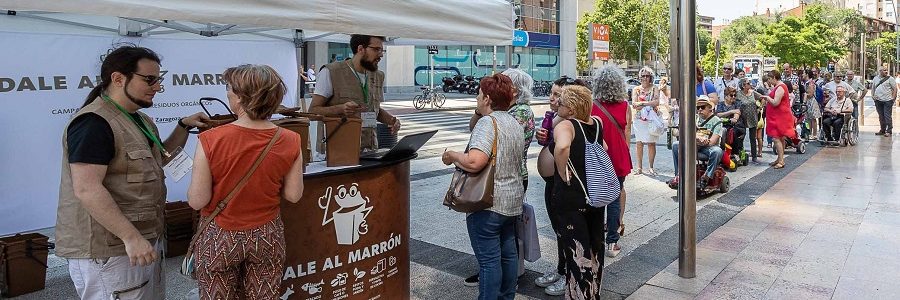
x: 837, y: 80
x: 833, y: 120
x: 884, y: 91
x: 727, y: 79
x: 311, y: 73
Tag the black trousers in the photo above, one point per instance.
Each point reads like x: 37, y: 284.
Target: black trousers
x: 554, y: 223
x: 884, y: 115
x: 832, y: 126
x: 738, y: 143
x: 751, y: 132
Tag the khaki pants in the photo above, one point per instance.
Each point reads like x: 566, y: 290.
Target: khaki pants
x: 115, y: 278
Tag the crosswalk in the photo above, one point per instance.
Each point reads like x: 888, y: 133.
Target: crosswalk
x: 453, y: 128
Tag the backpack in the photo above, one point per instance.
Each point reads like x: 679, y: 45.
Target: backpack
x: 600, y: 185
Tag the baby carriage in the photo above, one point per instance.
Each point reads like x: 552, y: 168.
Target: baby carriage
x: 799, y: 109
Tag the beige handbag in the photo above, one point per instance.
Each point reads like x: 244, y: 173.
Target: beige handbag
x: 472, y: 192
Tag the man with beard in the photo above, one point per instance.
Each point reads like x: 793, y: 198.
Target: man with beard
x: 112, y: 189
x: 355, y: 88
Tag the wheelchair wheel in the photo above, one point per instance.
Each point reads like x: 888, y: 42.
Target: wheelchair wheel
x: 724, y: 185
x: 419, y: 102
x: 801, y: 148
x: 853, y: 135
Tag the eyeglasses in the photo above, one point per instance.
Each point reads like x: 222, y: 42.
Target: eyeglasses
x: 731, y: 95
x: 646, y: 76
x: 378, y: 49
x: 150, y: 79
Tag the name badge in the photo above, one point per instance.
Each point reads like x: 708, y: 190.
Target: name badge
x: 368, y: 119
x: 179, y: 166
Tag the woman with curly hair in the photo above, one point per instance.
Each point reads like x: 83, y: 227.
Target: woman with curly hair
x: 610, y: 106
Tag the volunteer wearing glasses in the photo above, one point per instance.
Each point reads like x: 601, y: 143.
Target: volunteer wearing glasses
x: 355, y: 88
x: 112, y: 188
x: 727, y: 80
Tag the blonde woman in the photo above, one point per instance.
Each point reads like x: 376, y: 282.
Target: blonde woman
x: 581, y: 224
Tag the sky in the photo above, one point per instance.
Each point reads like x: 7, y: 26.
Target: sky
x: 724, y: 10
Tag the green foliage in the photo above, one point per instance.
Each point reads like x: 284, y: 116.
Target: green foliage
x: 888, y: 43
x: 708, y: 60
x: 819, y: 37
x: 626, y: 19
x: 743, y: 34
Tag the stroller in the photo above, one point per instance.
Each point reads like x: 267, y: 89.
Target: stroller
x: 799, y: 109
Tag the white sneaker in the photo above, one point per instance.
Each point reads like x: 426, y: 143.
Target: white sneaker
x: 547, y: 280
x: 557, y: 289
x: 612, y: 250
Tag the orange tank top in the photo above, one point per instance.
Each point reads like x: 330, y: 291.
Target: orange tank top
x: 231, y: 150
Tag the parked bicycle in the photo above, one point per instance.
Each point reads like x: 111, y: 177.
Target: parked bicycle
x: 429, y: 96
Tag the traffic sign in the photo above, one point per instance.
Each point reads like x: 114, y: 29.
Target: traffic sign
x: 432, y: 49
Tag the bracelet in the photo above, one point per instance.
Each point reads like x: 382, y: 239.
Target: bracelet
x: 185, y: 126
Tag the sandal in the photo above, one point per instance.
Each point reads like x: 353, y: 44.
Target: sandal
x: 651, y: 172
x: 778, y: 166
x: 772, y: 164
x: 636, y: 172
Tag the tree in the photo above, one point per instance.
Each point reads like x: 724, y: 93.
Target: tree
x: 708, y: 60
x: 704, y: 38
x: 742, y: 35
x: 821, y: 36
x: 625, y: 25
x: 888, y: 43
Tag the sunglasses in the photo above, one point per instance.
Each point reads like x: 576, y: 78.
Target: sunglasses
x: 727, y: 69
x: 646, y: 76
x: 150, y: 79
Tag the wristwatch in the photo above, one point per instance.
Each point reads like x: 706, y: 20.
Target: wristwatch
x: 185, y: 126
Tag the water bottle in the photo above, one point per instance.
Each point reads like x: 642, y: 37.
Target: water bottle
x: 547, y: 124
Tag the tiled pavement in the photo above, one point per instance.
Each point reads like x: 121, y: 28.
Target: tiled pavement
x: 828, y: 230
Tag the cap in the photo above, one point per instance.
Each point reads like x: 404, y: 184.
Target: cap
x: 703, y: 100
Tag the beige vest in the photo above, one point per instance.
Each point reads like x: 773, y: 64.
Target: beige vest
x: 346, y: 89
x: 135, y: 180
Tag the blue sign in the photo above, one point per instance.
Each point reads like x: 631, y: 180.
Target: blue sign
x: 543, y: 40
x: 520, y: 38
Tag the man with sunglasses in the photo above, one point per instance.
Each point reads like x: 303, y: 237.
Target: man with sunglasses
x: 709, y: 131
x: 112, y: 189
x: 837, y: 80
x: 355, y: 88
x: 727, y: 80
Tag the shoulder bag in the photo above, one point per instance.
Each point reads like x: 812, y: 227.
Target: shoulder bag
x: 188, y: 263
x: 472, y: 192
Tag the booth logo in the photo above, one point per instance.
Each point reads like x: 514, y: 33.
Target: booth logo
x: 348, y: 215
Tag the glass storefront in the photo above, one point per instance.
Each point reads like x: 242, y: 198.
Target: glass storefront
x: 339, y: 51
x: 477, y: 61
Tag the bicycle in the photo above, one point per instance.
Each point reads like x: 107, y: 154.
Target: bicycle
x: 429, y: 96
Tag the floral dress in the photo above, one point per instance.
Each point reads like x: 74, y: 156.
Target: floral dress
x: 523, y: 113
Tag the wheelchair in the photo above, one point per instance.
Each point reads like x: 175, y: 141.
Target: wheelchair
x: 849, y: 133
x: 732, y: 160
x: 719, y: 182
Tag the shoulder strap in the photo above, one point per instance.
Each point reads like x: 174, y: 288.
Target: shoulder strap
x: 614, y: 121
x: 221, y: 206
x: 707, y: 120
x: 703, y: 86
x: 494, y: 145
x: 879, y: 83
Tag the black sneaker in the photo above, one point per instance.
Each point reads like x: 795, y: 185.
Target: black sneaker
x: 471, y: 281
x: 879, y: 133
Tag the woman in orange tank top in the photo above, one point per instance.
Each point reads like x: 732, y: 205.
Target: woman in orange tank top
x: 241, y: 253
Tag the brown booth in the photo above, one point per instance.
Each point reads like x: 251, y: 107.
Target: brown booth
x: 348, y: 236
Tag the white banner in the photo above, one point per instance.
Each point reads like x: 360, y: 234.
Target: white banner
x: 44, y: 79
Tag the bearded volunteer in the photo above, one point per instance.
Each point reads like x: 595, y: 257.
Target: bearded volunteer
x: 355, y: 88
x: 112, y: 191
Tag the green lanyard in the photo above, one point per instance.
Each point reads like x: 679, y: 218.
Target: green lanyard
x: 140, y: 126
x: 363, y: 87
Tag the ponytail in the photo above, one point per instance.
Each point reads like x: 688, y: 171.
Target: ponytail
x: 95, y: 92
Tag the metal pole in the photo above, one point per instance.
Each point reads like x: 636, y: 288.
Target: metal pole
x: 674, y: 53
x: 687, y: 189
x: 431, y: 71
x: 494, y: 67
x: 862, y: 72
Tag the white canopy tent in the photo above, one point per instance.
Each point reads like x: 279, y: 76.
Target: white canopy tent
x: 29, y: 195
x: 487, y: 22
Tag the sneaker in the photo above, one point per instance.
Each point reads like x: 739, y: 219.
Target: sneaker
x: 471, y: 281
x: 557, y: 289
x: 547, y: 280
x: 612, y: 250
x: 879, y: 133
